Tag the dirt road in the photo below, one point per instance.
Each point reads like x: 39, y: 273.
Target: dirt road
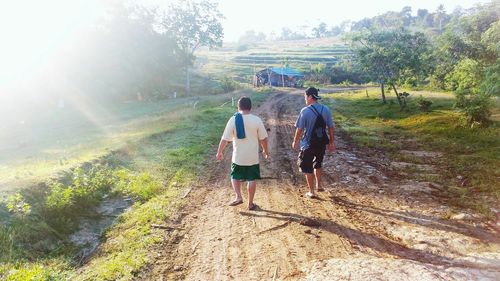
x: 367, y: 225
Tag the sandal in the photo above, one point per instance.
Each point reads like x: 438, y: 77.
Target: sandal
x: 320, y: 189
x: 311, y: 195
x: 252, y: 207
x: 236, y: 202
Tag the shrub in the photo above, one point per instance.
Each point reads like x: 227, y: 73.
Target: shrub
x: 423, y: 104
x: 17, y: 205
x: 228, y: 84
x: 142, y: 186
x: 65, y: 203
x: 477, y: 108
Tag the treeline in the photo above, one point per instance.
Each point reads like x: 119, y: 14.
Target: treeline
x: 132, y: 52
x: 456, y: 52
x: 431, y: 22
x: 463, y: 58
x: 123, y: 57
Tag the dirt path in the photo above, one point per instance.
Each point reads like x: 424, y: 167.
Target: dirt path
x: 369, y: 224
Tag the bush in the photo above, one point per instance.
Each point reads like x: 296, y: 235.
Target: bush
x: 423, y: 104
x: 66, y: 203
x: 477, y: 108
x: 228, y: 84
x: 17, y: 205
x: 142, y: 186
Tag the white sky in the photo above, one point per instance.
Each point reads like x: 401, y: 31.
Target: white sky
x: 267, y: 15
x: 32, y: 31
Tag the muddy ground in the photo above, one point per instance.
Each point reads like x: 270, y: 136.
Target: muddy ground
x: 369, y: 224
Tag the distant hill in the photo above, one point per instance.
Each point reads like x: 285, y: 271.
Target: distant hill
x: 241, y: 62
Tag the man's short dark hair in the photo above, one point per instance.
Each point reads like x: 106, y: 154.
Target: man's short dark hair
x: 244, y: 103
x: 313, y: 92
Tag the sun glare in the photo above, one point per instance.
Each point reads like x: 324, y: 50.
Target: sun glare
x: 34, y: 31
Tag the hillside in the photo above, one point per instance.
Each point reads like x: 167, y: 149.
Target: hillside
x: 241, y: 61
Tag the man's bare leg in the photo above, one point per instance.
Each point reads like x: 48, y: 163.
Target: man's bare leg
x: 252, y: 186
x: 237, y: 189
x: 310, y: 182
x: 317, y: 174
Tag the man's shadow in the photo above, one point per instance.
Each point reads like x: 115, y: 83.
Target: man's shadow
x: 423, y: 220
x: 368, y: 240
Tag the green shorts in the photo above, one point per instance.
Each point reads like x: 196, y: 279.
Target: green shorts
x: 245, y: 173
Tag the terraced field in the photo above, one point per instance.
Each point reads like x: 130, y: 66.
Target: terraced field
x: 242, y: 62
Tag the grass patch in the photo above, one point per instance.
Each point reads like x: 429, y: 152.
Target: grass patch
x: 153, y: 169
x: 471, y: 156
x: 183, y: 156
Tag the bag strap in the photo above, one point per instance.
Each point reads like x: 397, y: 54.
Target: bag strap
x: 316, y: 112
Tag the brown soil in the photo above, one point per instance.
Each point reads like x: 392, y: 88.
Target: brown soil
x: 368, y: 224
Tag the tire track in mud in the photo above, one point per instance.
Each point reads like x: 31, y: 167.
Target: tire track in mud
x: 219, y: 242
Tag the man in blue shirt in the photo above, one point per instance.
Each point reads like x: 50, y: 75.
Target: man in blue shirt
x: 310, y: 157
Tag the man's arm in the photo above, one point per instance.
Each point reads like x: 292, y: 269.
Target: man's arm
x: 265, y: 151
x: 220, y: 151
x: 296, y: 138
x: 331, y: 145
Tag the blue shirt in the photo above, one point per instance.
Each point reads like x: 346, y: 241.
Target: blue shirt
x: 306, y: 121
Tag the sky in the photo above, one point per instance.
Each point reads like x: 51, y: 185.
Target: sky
x: 273, y: 15
x: 32, y: 31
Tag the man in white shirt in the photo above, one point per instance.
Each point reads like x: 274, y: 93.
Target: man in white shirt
x: 246, y: 131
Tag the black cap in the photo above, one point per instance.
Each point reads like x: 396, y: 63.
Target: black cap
x: 311, y: 91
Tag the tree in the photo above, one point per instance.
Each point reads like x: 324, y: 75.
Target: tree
x: 391, y: 57
x: 422, y: 13
x: 289, y: 34
x: 406, y: 15
x: 251, y: 37
x: 440, y: 16
x: 122, y: 58
x: 192, y: 25
x: 335, y: 30
x: 320, y: 30
x: 470, y: 46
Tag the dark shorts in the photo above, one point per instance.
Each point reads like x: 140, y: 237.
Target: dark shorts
x: 245, y: 173
x: 311, y: 159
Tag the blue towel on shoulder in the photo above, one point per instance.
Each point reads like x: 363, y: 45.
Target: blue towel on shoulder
x: 240, y: 127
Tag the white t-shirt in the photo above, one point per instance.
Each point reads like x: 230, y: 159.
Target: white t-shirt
x: 246, y: 151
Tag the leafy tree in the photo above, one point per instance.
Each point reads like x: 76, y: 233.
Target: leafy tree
x: 250, y: 36
x: 335, y: 30
x: 391, y: 57
x: 121, y: 58
x: 406, y: 15
x: 440, y: 16
x: 320, y: 30
x: 192, y: 25
x: 422, y: 13
x: 491, y: 38
x: 365, y: 23
x: 490, y: 84
x: 465, y: 77
x: 289, y: 34
x: 471, y: 64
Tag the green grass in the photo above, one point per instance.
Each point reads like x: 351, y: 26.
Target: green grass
x: 64, y: 139
x: 184, y: 154
x: 473, y: 154
x: 154, y: 169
